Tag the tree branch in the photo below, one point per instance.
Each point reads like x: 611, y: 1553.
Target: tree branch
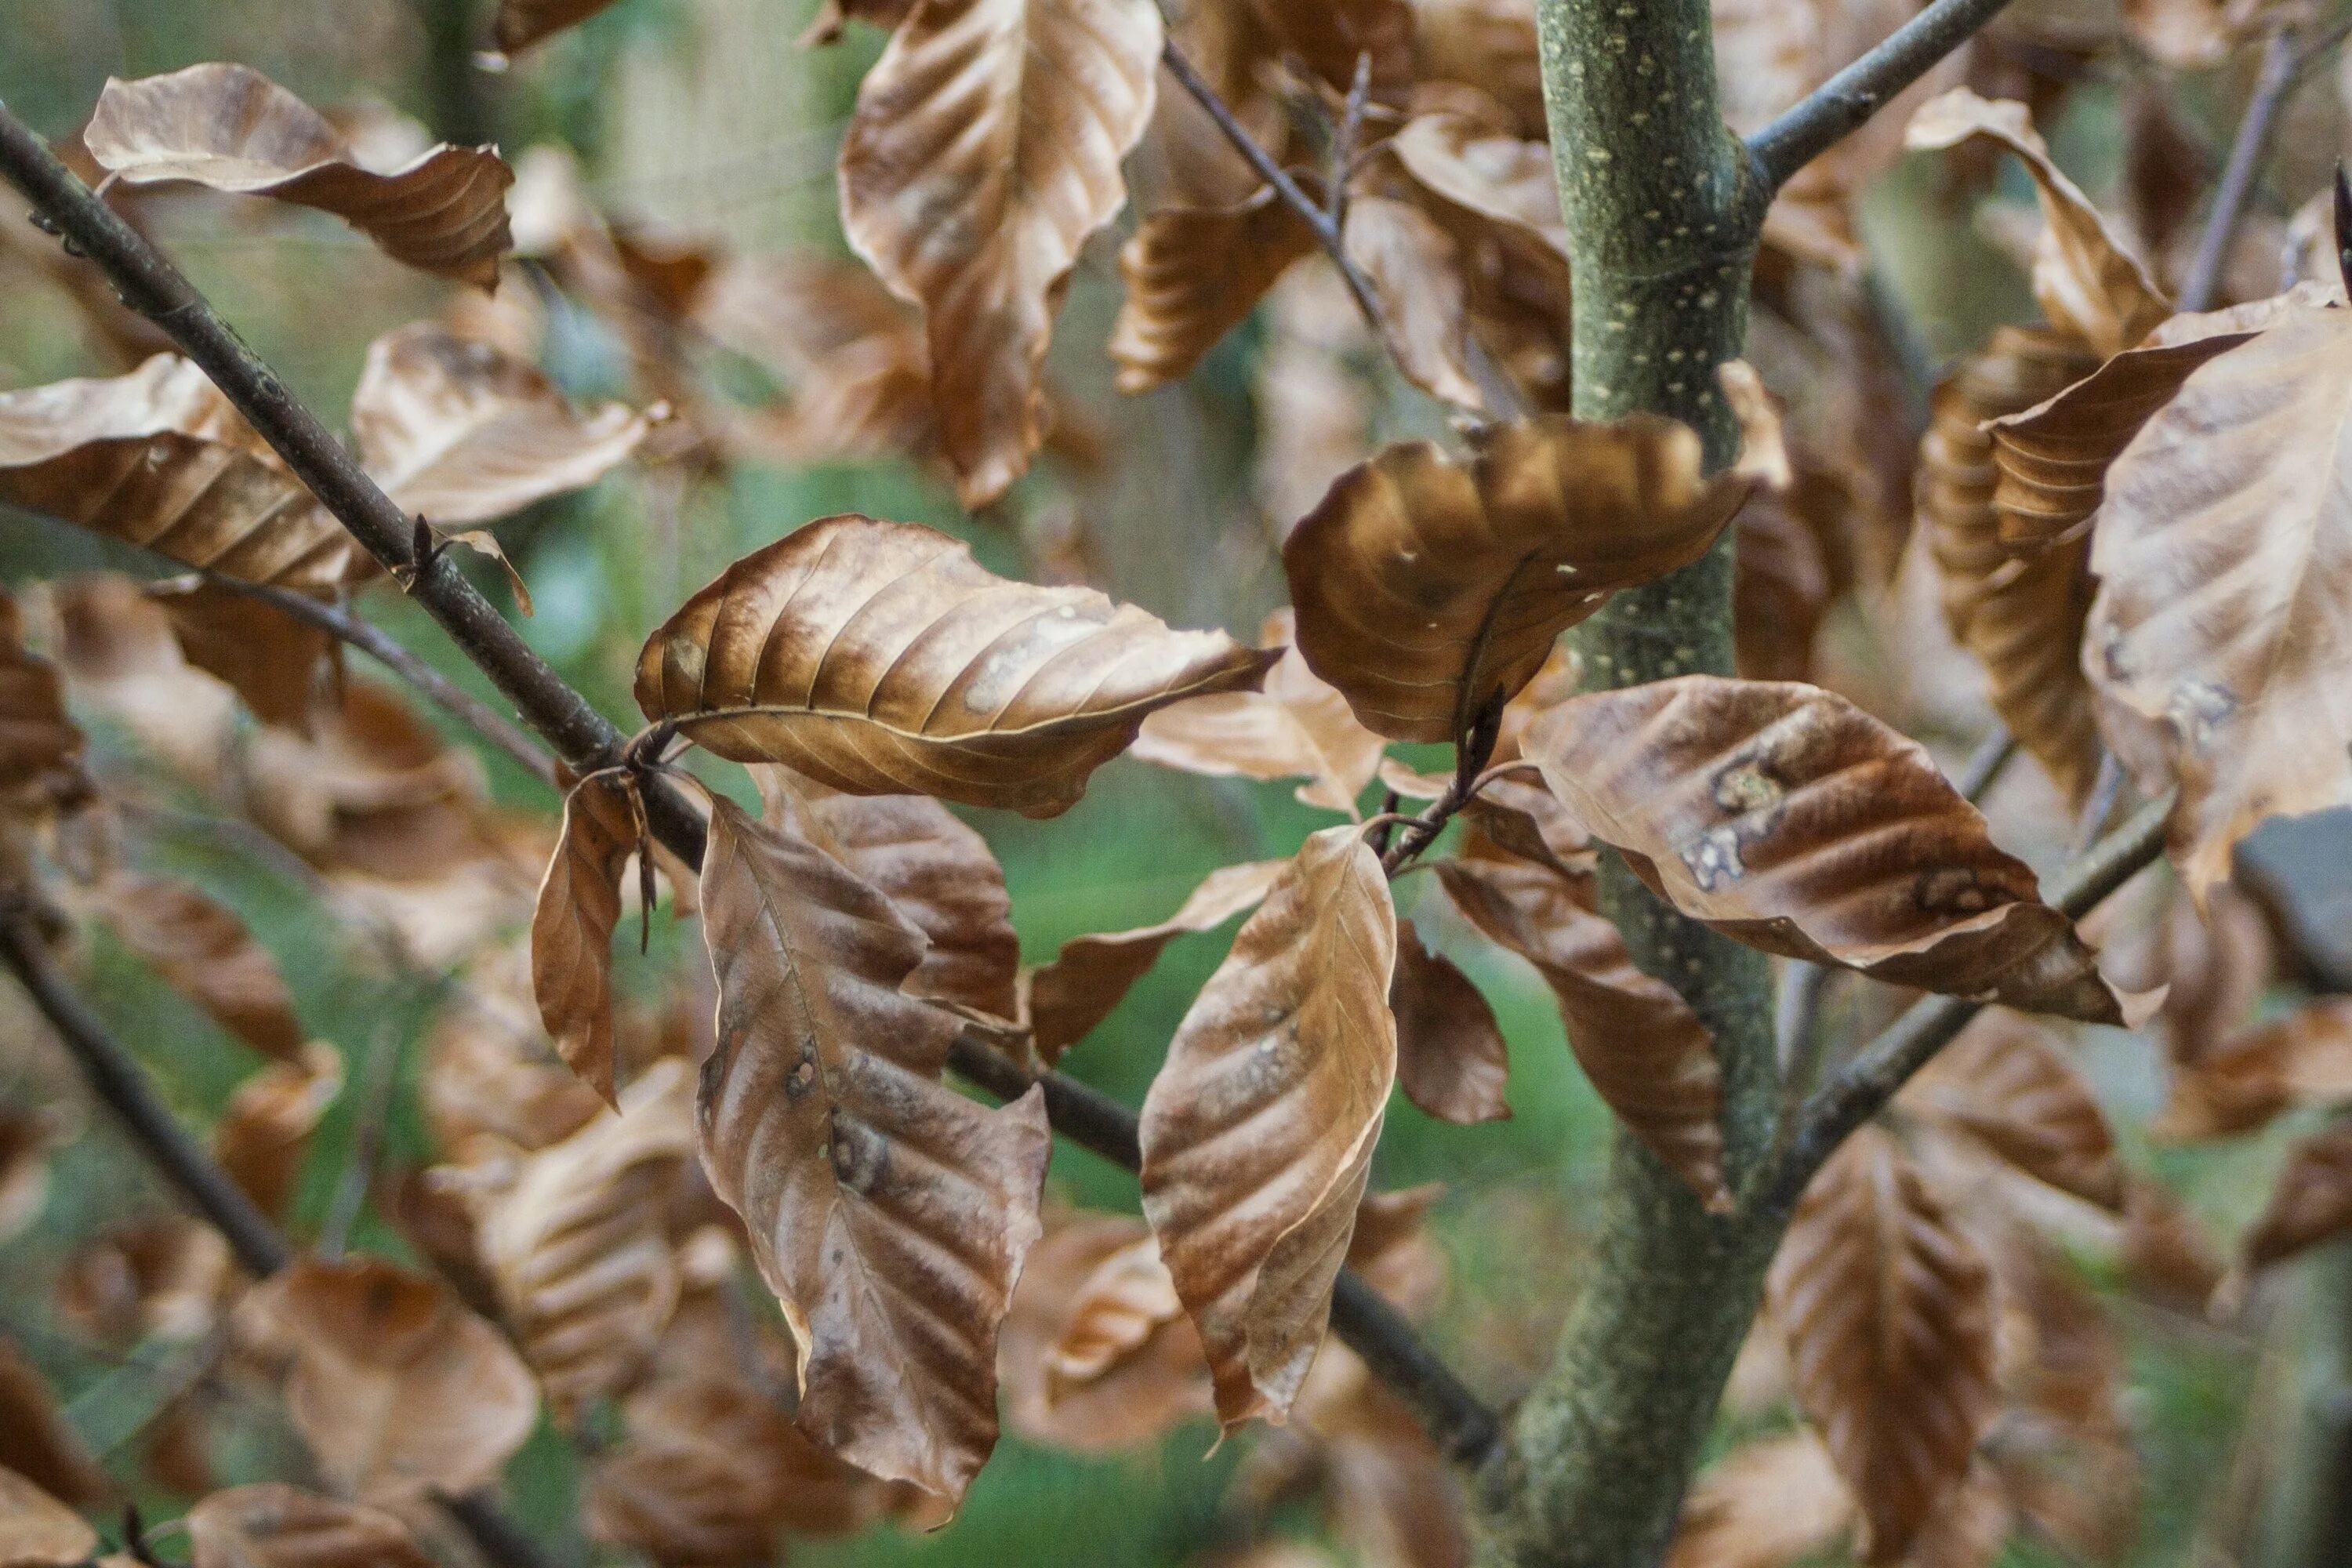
x: 2281, y: 70
x: 583, y: 737
x: 1845, y: 103
x: 115, y: 1077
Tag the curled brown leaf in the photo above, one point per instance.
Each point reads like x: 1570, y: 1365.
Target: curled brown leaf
x: 203, y: 950
x: 265, y: 1133
x: 571, y: 928
x: 522, y: 22
x: 1193, y: 275
x: 1452, y: 1060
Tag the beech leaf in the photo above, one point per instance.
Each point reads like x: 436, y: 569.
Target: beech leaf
x: 985, y: 148
x: 203, y: 950
x: 1426, y: 588
x: 889, y: 1213
x: 37, y: 737
x: 1327, y: 37
x: 1452, y: 1060
x: 1258, y: 1133
x: 229, y: 127
x: 1789, y: 819
x: 274, y: 661
x: 36, y: 1531
x: 572, y: 926
x: 1415, y: 272
x: 880, y: 659
x: 273, y: 1525
x: 2005, y: 1083
x: 1646, y: 1052
x: 2310, y: 1202
x: 1193, y: 275
x: 1889, y: 1315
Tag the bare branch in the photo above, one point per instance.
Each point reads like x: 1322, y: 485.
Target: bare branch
x: 1845, y: 103
x: 2281, y: 70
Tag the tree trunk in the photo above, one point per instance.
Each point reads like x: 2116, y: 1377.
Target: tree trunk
x: 1663, y: 214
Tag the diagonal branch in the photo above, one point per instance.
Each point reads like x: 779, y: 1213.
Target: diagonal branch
x: 584, y: 738
x: 2281, y: 70
x: 1845, y: 103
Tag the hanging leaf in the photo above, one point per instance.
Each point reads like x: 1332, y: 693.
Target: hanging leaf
x: 1450, y: 1058
x: 36, y: 1442
x: 1258, y: 1132
x: 37, y: 737
x: 1789, y: 819
x: 2004, y: 1083
x: 1414, y: 271
x: 1327, y: 38
x: 276, y: 663
x: 1193, y: 275
x: 205, y: 952
x: 932, y: 867
x: 464, y: 433
x: 1090, y: 976
x: 1646, y: 1052
x: 1298, y: 726
x: 522, y: 22
x: 2224, y: 559
x: 1426, y: 588
x: 985, y: 150
x: 1889, y: 1314
x: 277, y: 1526
x: 889, y: 1213
x: 36, y: 1531
x: 2310, y: 1202
x: 265, y: 1133
x: 229, y: 127
x: 878, y: 658
x: 2239, y: 1086
x: 571, y: 928
x: 397, y: 1387
x: 159, y: 458
x: 1774, y: 1502
x: 2089, y: 283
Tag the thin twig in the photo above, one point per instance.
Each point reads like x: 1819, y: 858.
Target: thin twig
x: 1343, y: 142
x: 1985, y: 765
x: 1863, y: 1086
x: 1845, y: 103
x: 583, y: 737
x: 2280, y: 58
x: 2107, y: 788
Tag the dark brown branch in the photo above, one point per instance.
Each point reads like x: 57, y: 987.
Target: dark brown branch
x: 2279, y: 72
x: 1863, y: 1087
x: 583, y: 737
x: 1845, y: 103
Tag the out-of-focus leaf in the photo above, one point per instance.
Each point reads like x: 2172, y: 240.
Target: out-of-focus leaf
x: 1098, y: 1354
x: 1450, y: 1058
x: 489, y: 1071
x: 572, y: 929
x: 577, y: 1245
x: 1327, y: 38
x: 397, y: 1387
x: 1775, y: 1503
x: 985, y: 150
x: 2087, y: 280
x: 1646, y: 1053
x: 889, y: 1213
x: 2224, y: 558
x: 229, y: 127
x: 273, y: 1525
x: 36, y: 1531
x: 165, y: 1279
x: 833, y: 16
x: 1298, y: 726
x: 880, y: 659
x: 2303, y: 1058
x: 36, y: 736
x: 464, y: 433
x: 1193, y: 275
x: 522, y: 22
x: 1782, y: 591
x: 2005, y: 1083
x: 1488, y: 44
x: 204, y: 952
x: 28, y: 1138
x: 265, y: 1133
x: 1786, y: 817
x: 1426, y: 588
x: 2216, y: 967
x: 2310, y: 1202
x: 1415, y: 272
x: 158, y: 457
x: 1258, y: 1132
x: 274, y: 661
x: 1078, y: 989
x: 35, y: 1441
x: 932, y: 867
x: 1889, y: 1313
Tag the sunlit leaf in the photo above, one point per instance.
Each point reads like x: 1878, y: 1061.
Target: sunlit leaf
x: 1258, y: 1132
x: 273, y: 1525
x: 2303, y: 1057
x: 264, y: 1135
x: 1774, y: 1502
x: 522, y: 22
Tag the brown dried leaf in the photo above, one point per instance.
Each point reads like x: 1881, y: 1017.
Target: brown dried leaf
x: 2224, y: 557
x: 1415, y: 271
x: 1789, y: 819
x: 1889, y: 1311
x: 571, y: 928
x: 2006, y: 1084
x: 37, y: 737
x: 2089, y: 283
x: 277, y: 1526
x: 36, y: 1441
x: 880, y: 659
x: 1489, y: 43
x: 1782, y: 591
x: 1193, y: 275
x: 1078, y: 989
x: 274, y: 661
x: 1646, y: 1052
x: 265, y: 1133
x: 1258, y: 1130
x: 1327, y: 38
x: 985, y: 150
x: 1298, y: 726
x: 163, y: 1279
x: 159, y: 458
x: 397, y: 1387
x: 1452, y: 1060
x: 1427, y: 587
x: 28, y: 1138
x: 229, y: 127
x: 2303, y: 1058
x: 522, y: 22
x: 930, y: 865
x: 889, y: 1213
x: 463, y: 432
x: 1775, y: 1503
x: 2215, y: 968
x: 205, y: 951
x: 2310, y: 1202
x: 36, y: 1531
x: 1098, y: 1354
x: 578, y: 1244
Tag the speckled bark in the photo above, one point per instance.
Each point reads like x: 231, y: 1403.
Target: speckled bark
x: 1663, y: 212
